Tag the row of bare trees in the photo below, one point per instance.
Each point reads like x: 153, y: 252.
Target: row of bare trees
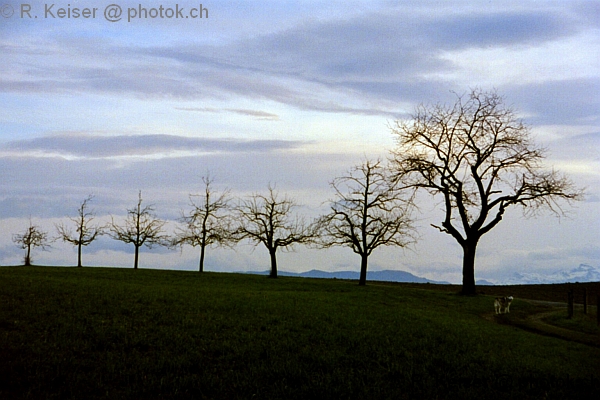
x: 368, y: 211
x: 477, y: 156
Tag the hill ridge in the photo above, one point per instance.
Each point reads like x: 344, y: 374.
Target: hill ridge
x: 383, y: 275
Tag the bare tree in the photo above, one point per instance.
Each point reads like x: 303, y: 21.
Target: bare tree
x: 142, y: 228
x: 205, y: 224
x: 31, y: 238
x: 268, y: 219
x: 368, y: 211
x: 480, y: 158
x: 85, y: 232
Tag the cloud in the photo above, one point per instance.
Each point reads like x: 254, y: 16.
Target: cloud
x: 54, y: 186
x: 90, y: 146
x: 261, y: 115
x: 584, y: 147
x: 566, y: 102
x: 383, y: 45
x: 48, y: 176
x: 254, y: 113
x: 498, y: 29
x: 588, y: 11
x: 339, y: 65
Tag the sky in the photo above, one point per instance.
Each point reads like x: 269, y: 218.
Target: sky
x: 289, y: 94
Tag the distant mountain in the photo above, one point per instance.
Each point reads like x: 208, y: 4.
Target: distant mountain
x: 386, y: 276
x: 582, y: 273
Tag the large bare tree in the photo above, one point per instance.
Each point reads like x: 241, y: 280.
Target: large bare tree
x: 479, y: 157
x: 85, y: 232
x: 31, y: 238
x: 268, y: 219
x: 205, y: 224
x: 142, y: 228
x: 368, y: 212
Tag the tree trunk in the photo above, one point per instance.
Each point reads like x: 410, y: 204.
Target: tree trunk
x: 363, y: 270
x: 79, y: 255
x: 203, y: 243
x: 273, y: 273
x: 201, y: 265
x: 28, y: 256
x: 469, y: 268
x: 136, y: 257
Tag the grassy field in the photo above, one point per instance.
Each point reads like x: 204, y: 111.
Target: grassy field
x: 92, y: 333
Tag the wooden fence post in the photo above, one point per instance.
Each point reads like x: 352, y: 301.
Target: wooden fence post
x: 598, y: 309
x: 585, y: 300
x: 570, y: 304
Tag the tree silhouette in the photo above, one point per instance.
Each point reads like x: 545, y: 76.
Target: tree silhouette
x: 85, y: 233
x: 480, y: 158
x: 205, y: 224
x: 141, y: 228
x: 268, y: 219
x: 368, y: 211
x: 31, y: 238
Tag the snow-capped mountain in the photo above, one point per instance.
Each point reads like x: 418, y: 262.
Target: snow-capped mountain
x: 582, y: 273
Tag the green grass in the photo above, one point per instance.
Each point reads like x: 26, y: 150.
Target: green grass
x: 96, y: 333
x: 579, y: 322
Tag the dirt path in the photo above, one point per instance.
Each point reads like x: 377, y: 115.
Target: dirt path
x: 534, y: 322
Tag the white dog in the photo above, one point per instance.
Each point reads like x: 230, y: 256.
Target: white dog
x: 502, y: 304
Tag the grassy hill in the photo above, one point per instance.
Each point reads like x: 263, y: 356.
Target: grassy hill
x: 96, y: 333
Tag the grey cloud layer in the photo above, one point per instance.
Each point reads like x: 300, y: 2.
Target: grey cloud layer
x: 51, y: 186
x: 139, y: 145
x: 386, y: 45
x: 263, y: 115
x: 362, y: 65
x: 569, y: 102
